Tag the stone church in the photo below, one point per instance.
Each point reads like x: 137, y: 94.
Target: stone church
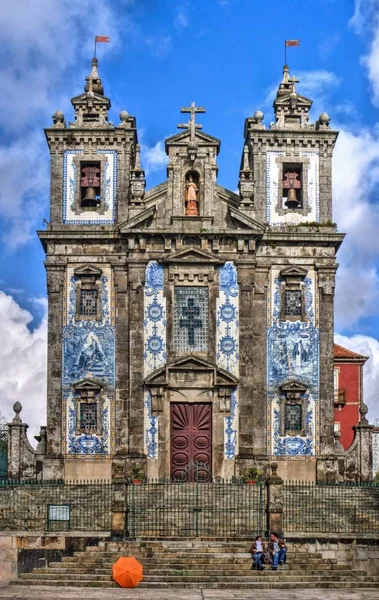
x: 190, y: 324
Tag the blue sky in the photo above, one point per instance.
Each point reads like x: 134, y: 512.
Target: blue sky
x: 226, y: 55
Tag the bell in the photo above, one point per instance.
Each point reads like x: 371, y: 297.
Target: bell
x: 90, y: 197
x: 292, y: 201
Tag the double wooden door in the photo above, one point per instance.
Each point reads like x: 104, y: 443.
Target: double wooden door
x: 191, y: 441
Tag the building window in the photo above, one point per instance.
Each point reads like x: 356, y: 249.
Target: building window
x: 292, y: 186
x: 90, y: 184
x: 191, y: 319
x: 292, y: 294
x: 293, y: 303
x: 293, y: 408
x: 293, y: 418
x: 88, y: 416
x: 88, y: 303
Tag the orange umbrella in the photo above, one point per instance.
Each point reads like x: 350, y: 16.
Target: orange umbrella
x: 127, y: 571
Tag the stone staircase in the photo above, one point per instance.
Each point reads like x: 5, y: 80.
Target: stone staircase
x: 197, y: 564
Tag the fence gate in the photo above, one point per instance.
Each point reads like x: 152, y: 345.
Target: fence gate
x: 182, y: 508
x: 3, y: 447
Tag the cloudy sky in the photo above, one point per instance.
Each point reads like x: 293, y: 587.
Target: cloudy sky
x: 227, y: 55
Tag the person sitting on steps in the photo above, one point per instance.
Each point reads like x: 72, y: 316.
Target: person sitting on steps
x: 257, y: 550
x: 277, y: 549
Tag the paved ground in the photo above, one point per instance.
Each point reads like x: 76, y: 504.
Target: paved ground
x: 48, y: 593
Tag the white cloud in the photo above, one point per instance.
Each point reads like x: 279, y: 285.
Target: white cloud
x: 365, y: 21
x: 355, y: 180
x: 43, y: 45
x: 154, y: 158
x: 368, y: 346
x: 23, y: 363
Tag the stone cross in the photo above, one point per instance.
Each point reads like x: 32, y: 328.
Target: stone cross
x: 191, y: 125
x: 190, y: 322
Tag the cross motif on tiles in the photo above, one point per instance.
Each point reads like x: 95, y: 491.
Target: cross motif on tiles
x: 190, y: 322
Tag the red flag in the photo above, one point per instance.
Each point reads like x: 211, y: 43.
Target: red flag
x: 292, y: 43
x: 102, y: 38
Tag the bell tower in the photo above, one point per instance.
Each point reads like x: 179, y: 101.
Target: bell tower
x: 286, y: 182
x: 94, y: 171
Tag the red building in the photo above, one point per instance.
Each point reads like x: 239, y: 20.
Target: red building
x: 348, y: 391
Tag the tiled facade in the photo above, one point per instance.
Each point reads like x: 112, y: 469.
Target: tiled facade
x: 219, y: 300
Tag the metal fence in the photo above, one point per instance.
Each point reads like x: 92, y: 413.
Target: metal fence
x: 180, y: 509
x: 55, y: 506
x: 330, y: 508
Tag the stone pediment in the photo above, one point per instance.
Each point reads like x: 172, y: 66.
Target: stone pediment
x: 195, y: 368
x: 246, y: 221
x: 139, y: 219
x: 183, y: 138
x: 301, y: 101
x: 88, y: 384
x: 191, y: 256
x: 88, y: 271
x: 82, y: 99
x: 293, y: 271
x: 293, y: 386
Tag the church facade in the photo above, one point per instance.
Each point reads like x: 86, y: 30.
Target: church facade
x: 190, y: 323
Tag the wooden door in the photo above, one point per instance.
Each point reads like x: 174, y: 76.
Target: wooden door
x: 191, y: 441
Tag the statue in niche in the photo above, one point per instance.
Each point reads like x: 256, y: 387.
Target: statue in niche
x: 191, y: 198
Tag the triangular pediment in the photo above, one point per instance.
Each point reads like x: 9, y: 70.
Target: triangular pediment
x: 190, y: 256
x: 300, y: 101
x: 293, y: 386
x: 88, y: 384
x: 192, y: 364
x: 293, y: 271
x: 97, y: 98
x: 140, y: 219
x: 88, y: 271
x: 184, y: 137
x: 246, y: 221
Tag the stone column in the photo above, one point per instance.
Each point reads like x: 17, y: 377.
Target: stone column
x: 21, y: 455
x: 326, y: 279
x: 119, y: 508
x: 122, y: 359
x: 275, y: 501
x: 136, y: 350
x: 53, y: 465
x: 363, y: 433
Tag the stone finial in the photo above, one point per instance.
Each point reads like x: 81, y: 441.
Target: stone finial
x: 363, y: 410
x: 124, y: 117
x: 58, y: 120
x: 274, y: 477
x: 323, y: 121
x: 17, y: 407
x: 138, y: 180
x: 94, y: 84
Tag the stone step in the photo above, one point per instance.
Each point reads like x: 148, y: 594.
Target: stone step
x: 198, y: 572
x: 280, y: 585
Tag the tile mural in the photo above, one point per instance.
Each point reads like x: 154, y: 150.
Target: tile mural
x: 293, y: 355
x: 227, y: 340
x: 88, y: 353
x: 154, y: 345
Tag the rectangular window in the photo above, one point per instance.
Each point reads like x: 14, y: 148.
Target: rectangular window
x: 88, y: 416
x: 292, y: 300
x: 293, y: 417
x: 191, y: 319
x: 88, y: 303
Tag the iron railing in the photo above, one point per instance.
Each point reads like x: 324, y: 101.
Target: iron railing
x: 55, y: 506
x: 182, y: 509
x: 330, y: 508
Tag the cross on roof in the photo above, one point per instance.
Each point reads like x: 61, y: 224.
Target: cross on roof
x: 191, y: 125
